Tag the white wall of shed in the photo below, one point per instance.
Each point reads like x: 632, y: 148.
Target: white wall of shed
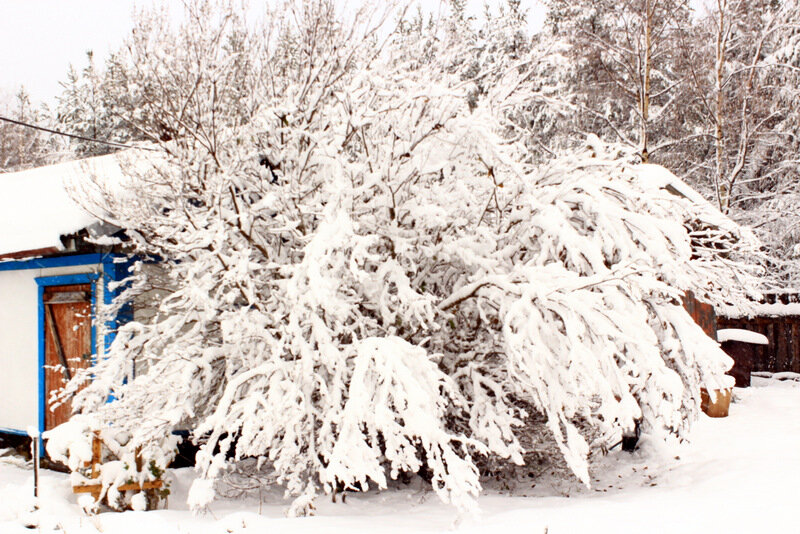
x: 19, y: 343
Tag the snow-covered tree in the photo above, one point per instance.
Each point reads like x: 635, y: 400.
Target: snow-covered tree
x: 22, y: 147
x: 624, y: 78
x: 742, y: 70
x: 81, y: 109
x: 114, y: 102
x: 360, y: 273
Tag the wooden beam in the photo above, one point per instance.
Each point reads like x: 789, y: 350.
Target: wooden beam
x: 57, y: 340
x: 69, y: 297
x: 33, y: 253
x: 131, y: 486
x: 97, y: 454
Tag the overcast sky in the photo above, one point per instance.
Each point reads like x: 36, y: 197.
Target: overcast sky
x: 40, y: 38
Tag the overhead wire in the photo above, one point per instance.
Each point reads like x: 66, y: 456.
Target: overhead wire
x: 73, y: 136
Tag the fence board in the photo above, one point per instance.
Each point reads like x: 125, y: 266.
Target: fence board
x: 796, y: 347
x: 783, y: 352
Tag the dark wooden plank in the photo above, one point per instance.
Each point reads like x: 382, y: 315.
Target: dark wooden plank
x: 771, y: 353
x: 775, y: 343
x: 761, y: 362
x: 783, y: 357
x: 795, y: 345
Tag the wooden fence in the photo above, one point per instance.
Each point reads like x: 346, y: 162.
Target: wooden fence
x: 702, y: 313
x: 783, y: 333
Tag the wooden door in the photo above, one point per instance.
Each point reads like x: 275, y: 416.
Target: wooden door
x: 68, y: 343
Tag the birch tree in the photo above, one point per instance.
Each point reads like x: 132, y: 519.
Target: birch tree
x: 623, y: 73
x: 743, y: 73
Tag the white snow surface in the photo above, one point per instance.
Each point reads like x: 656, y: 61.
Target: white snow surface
x: 659, y: 177
x: 737, y: 474
x: 36, y: 206
x: 762, y: 310
x: 739, y: 334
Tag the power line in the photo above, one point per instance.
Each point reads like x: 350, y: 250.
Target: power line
x: 82, y: 138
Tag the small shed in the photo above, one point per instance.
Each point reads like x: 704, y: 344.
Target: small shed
x: 52, y: 283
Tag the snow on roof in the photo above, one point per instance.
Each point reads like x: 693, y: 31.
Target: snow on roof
x: 744, y: 336
x: 36, y: 207
x: 658, y: 177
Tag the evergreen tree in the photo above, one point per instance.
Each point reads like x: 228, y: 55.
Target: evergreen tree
x: 23, y: 147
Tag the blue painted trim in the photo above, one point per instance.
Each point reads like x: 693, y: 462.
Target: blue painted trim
x: 67, y: 279
x: 63, y: 280
x: 116, y: 268
x: 4, y: 430
x: 50, y: 262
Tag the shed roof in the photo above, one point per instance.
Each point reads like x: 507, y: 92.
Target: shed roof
x: 38, y: 206
x: 660, y: 177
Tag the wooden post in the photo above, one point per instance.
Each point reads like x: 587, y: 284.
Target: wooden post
x: 35, y: 445
x: 57, y: 341
x: 138, y: 459
x: 97, y: 454
x: 94, y: 465
x: 97, y: 459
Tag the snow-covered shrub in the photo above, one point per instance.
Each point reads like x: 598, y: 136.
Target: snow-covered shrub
x: 70, y: 443
x: 366, y: 276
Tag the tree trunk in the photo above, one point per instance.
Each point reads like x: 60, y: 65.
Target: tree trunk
x: 720, y: 117
x: 648, y: 25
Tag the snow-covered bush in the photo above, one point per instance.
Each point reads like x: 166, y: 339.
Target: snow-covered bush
x: 119, y: 463
x: 366, y: 276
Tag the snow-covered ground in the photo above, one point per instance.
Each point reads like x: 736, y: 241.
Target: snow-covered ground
x: 738, y: 474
